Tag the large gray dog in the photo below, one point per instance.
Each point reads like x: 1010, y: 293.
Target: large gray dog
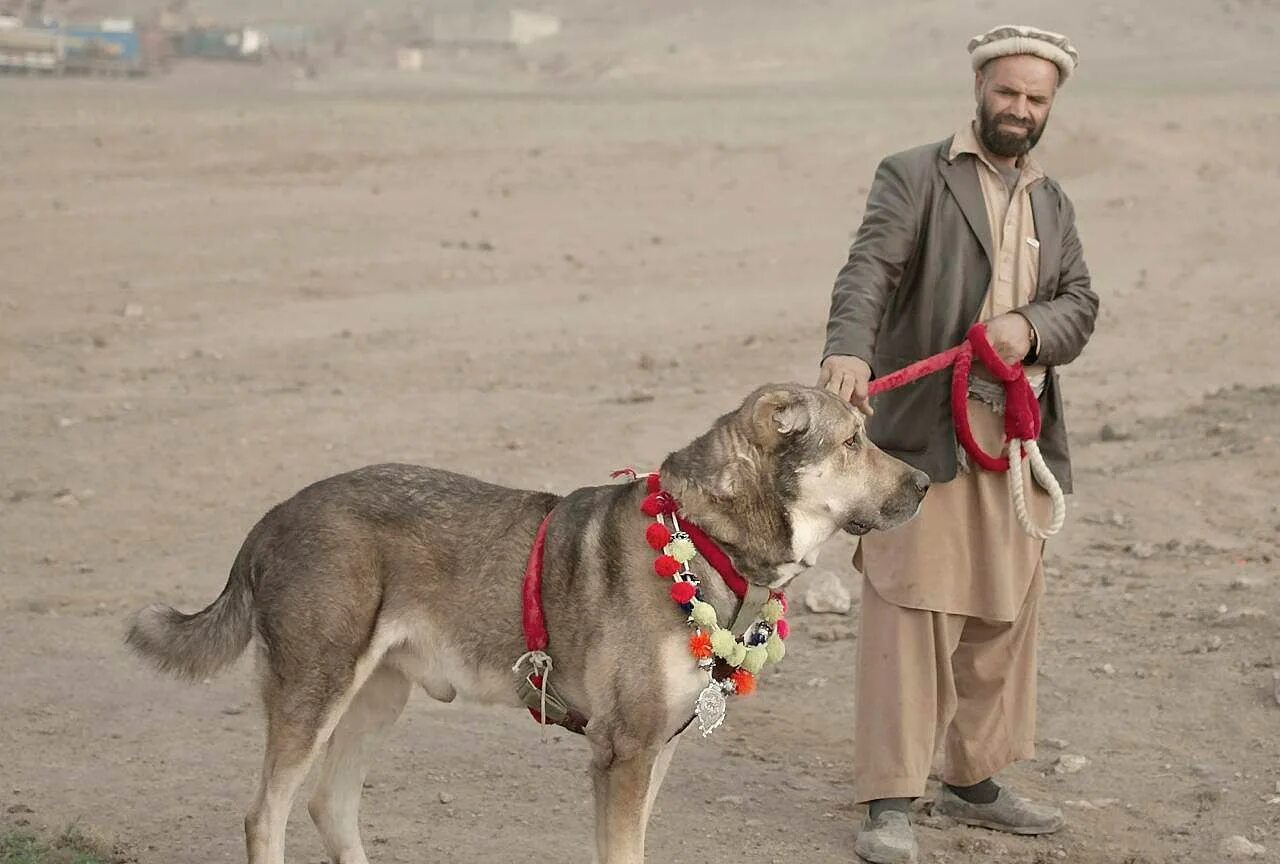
x: 367, y: 582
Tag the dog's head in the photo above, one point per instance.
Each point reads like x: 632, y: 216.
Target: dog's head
x: 790, y: 468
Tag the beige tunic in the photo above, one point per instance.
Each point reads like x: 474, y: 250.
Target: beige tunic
x: 965, y: 553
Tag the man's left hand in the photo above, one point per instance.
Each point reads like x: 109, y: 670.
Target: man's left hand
x: 1010, y: 335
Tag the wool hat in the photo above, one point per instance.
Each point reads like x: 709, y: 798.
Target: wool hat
x: 1020, y: 39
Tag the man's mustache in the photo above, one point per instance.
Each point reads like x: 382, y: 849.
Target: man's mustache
x: 1010, y: 120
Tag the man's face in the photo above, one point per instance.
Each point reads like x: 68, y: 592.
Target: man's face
x: 1014, y: 96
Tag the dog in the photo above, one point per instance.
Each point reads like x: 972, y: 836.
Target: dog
x: 366, y: 583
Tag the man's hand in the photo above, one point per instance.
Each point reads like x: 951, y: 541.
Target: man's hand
x: 848, y: 378
x: 1010, y: 335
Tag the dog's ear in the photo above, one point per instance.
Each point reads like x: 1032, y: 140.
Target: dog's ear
x: 777, y: 413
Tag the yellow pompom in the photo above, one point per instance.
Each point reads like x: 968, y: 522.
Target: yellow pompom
x: 739, y: 654
x: 703, y: 614
x: 755, y: 659
x: 723, y: 644
x: 682, y: 550
x: 772, y: 611
x: 776, y: 649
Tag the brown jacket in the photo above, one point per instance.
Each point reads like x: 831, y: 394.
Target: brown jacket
x: 917, y: 274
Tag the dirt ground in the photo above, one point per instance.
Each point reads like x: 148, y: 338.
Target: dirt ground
x: 220, y: 285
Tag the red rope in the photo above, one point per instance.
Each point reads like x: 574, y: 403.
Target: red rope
x: 535, y: 624
x: 1022, y: 410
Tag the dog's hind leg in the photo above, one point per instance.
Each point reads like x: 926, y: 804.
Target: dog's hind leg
x: 336, y: 803
x: 302, y: 711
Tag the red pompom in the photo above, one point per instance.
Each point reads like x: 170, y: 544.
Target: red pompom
x: 744, y: 683
x: 682, y: 592
x: 658, y: 535
x: 783, y: 628
x: 653, y: 483
x: 657, y: 502
x: 666, y: 566
x: 700, y: 645
x: 781, y: 598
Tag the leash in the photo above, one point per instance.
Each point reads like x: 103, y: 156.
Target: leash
x: 1021, y: 421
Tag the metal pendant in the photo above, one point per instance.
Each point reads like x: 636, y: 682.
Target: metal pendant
x: 711, y: 708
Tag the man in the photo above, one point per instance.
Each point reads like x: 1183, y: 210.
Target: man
x: 968, y: 229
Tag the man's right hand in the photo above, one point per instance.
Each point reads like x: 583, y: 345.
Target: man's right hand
x: 848, y: 378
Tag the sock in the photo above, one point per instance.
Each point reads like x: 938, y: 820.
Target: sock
x: 985, y: 792
x: 880, y: 805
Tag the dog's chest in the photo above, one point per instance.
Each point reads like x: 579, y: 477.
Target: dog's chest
x: 682, y: 681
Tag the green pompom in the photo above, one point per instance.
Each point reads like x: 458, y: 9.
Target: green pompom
x: 723, y: 644
x: 772, y: 611
x: 682, y: 550
x: 703, y: 614
x: 776, y: 649
x: 739, y: 655
x: 755, y: 659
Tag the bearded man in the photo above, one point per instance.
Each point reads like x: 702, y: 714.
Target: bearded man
x: 964, y: 230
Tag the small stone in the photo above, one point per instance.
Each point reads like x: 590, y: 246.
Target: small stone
x: 1069, y: 763
x: 67, y: 422
x: 233, y: 710
x: 446, y: 798
x: 1080, y: 805
x: 1241, y: 617
x: 1141, y: 551
x: 1056, y: 743
x: 132, y: 310
x: 827, y: 594
x: 1115, y: 432
x: 1105, y: 669
x: 19, y: 808
x: 1241, y: 847
x: 736, y: 800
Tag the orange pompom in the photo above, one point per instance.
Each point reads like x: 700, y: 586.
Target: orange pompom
x: 700, y: 645
x: 744, y: 683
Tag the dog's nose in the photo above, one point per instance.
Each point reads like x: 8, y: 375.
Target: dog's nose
x: 921, y: 481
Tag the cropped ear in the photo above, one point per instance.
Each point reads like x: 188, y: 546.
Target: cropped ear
x: 778, y: 413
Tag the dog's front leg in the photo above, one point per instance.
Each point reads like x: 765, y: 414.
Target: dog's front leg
x: 623, y: 781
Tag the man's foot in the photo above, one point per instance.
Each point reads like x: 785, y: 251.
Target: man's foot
x: 887, y: 839
x: 1009, y: 813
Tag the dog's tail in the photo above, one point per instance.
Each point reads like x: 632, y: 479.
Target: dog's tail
x: 196, y: 646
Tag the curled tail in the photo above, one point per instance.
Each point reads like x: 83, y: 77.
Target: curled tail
x: 196, y: 646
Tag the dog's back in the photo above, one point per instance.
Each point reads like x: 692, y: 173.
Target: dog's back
x: 320, y: 568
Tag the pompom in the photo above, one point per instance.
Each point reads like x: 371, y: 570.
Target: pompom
x: 703, y: 614
x: 782, y: 628
x: 653, y: 504
x: 653, y: 483
x: 781, y: 598
x: 755, y: 659
x: 772, y: 610
x: 682, y: 592
x: 700, y: 645
x: 666, y: 566
x: 739, y: 654
x: 723, y: 644
x: 658, y: 535
x: 776, y: 649
x: 682, y: 549
x: 744, y: 683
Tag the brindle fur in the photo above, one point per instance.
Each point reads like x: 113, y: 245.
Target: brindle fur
x: 366, y: 583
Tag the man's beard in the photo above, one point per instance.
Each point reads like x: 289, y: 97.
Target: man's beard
x: 1007, y: 144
